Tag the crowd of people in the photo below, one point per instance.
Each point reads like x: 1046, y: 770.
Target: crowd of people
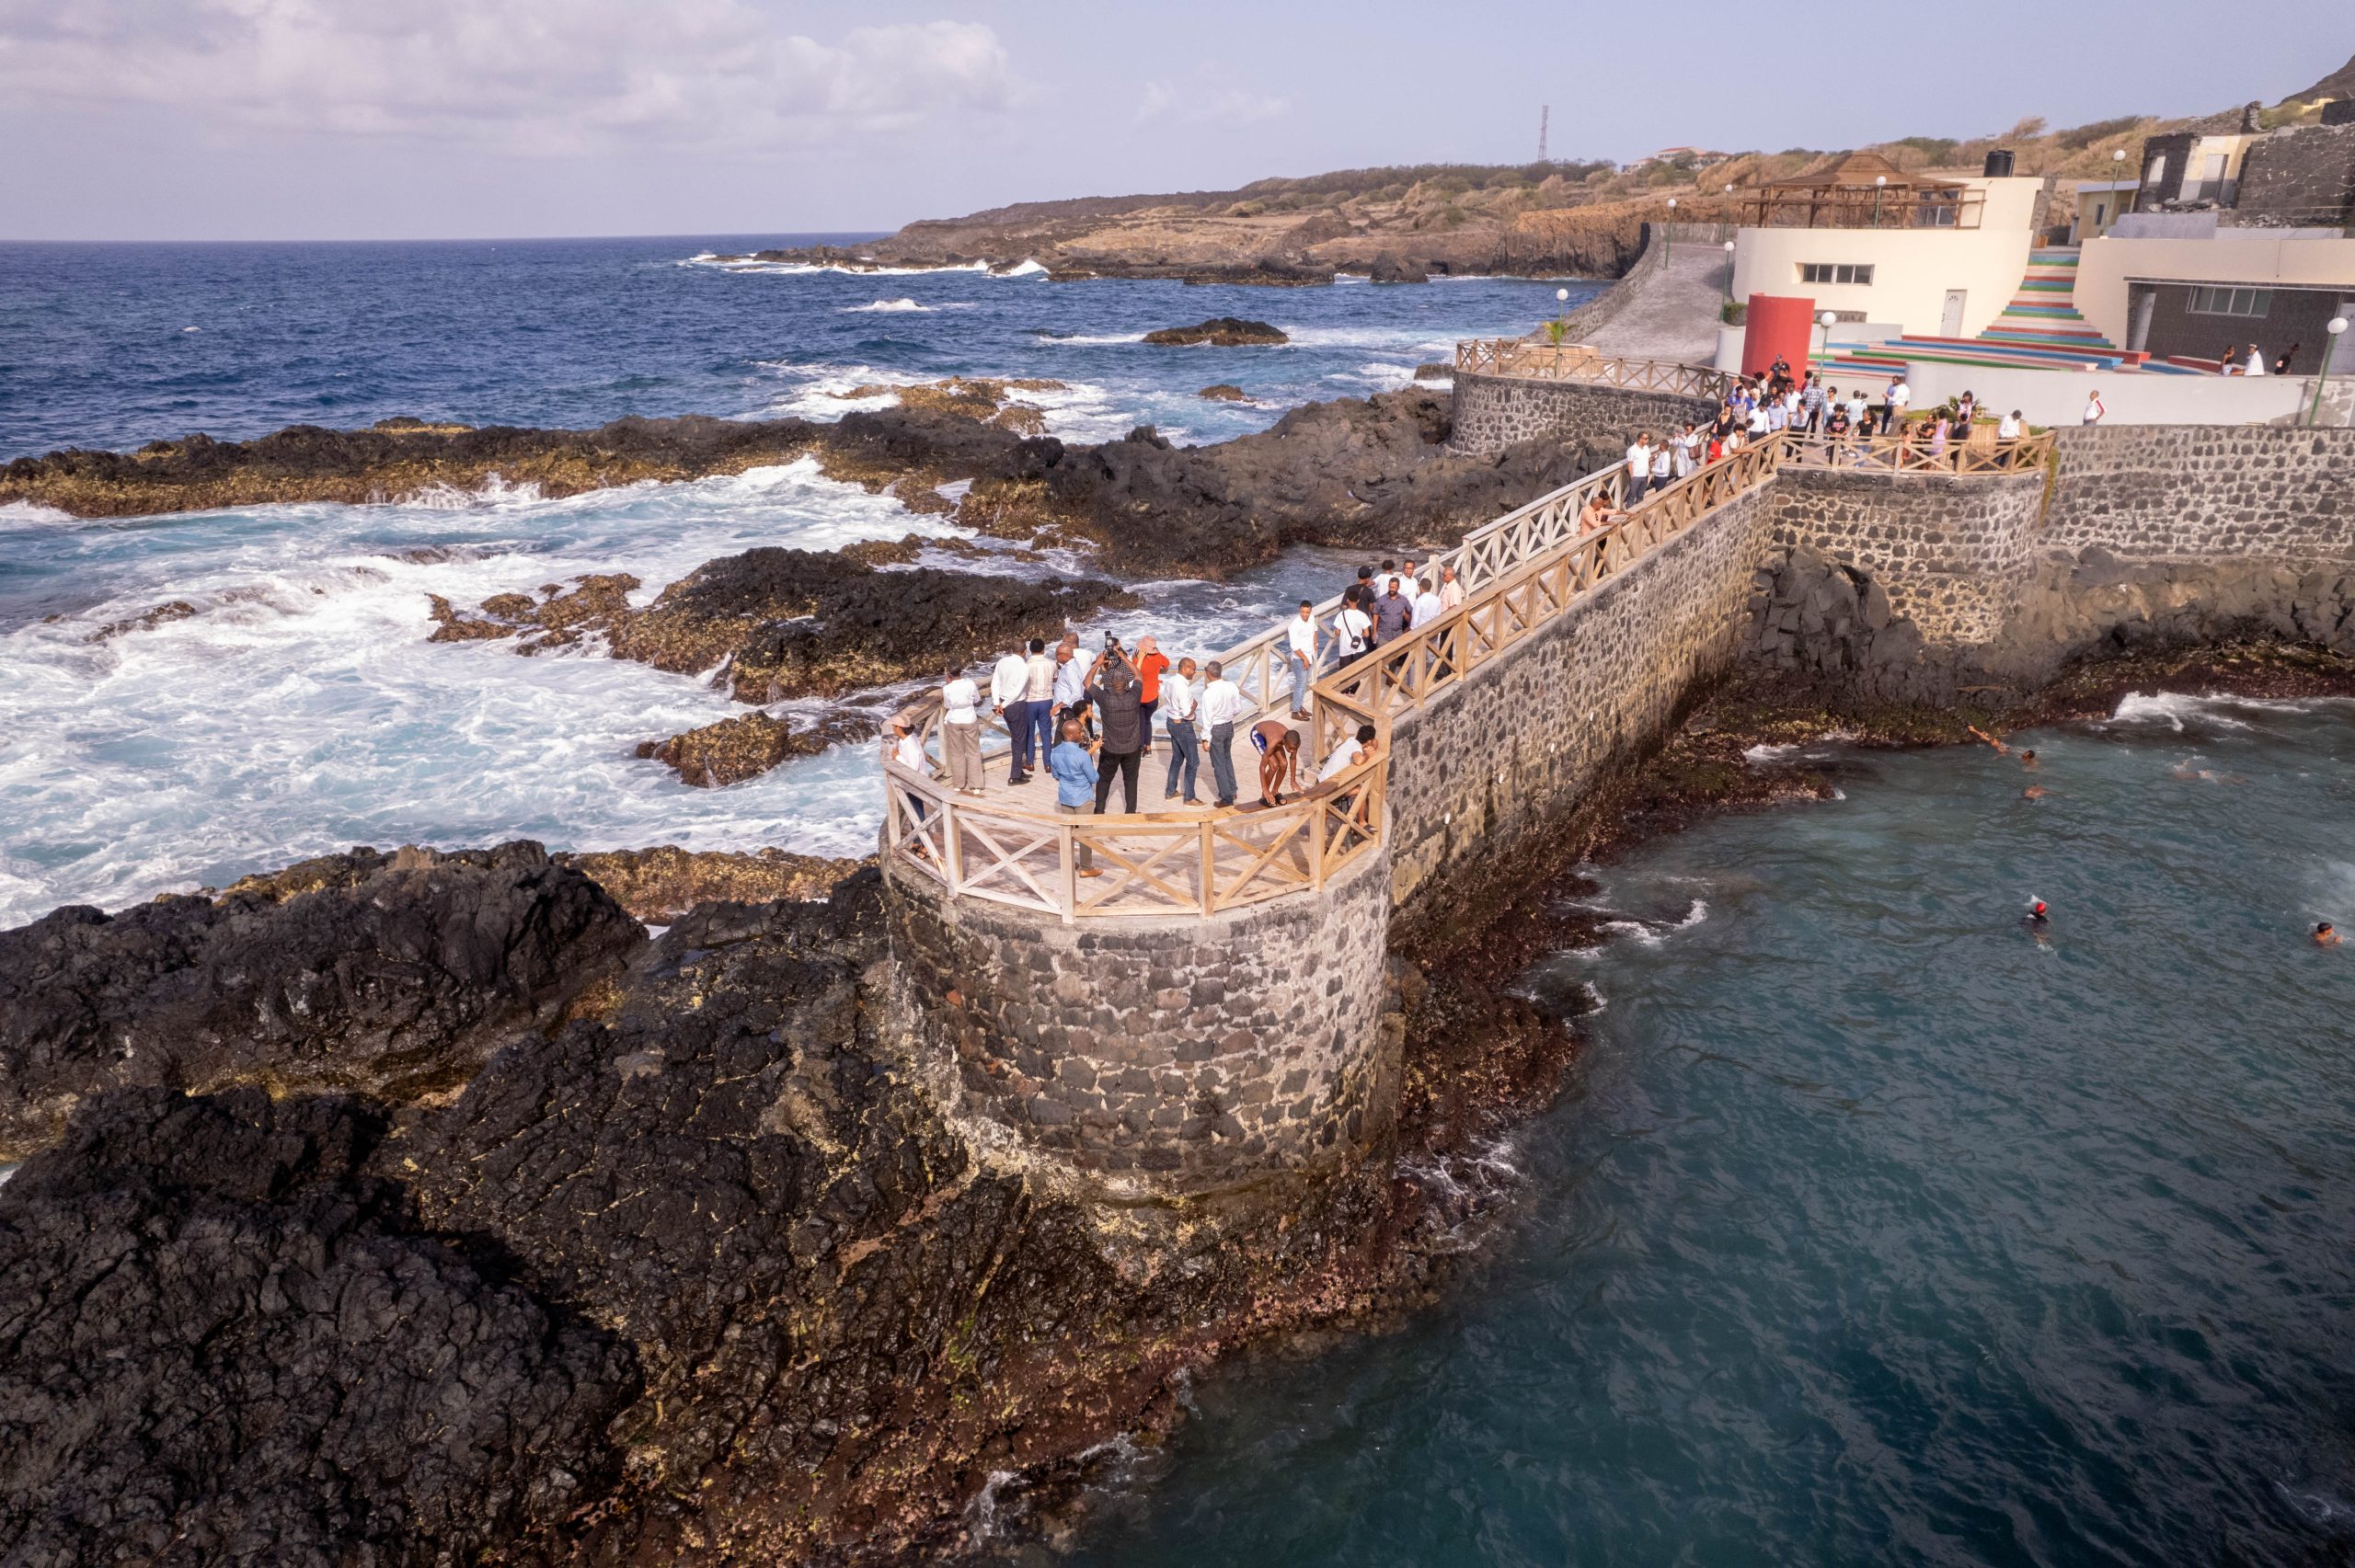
x: 1840, y: 425
x: 1091, y: 719
x: 2236, y: 360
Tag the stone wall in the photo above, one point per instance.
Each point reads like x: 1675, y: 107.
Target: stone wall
x: 1492, y: 412
x: 1948, y: 549
x: 2184, y: 491
x: 1162, y: 1057
x: 1487, y: 770
x: 2300, y: 178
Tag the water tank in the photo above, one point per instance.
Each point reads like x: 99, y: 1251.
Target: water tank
x: 1999, y: 164
x: 1776, y: 327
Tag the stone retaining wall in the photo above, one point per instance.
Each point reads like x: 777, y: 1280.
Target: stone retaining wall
x: 1489, y: 768
x: 2184, y: 491
x: 1163, y: 1057
x: 1493, y: 411
x: 1948, y: 549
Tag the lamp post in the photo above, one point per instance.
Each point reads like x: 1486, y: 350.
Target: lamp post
x: 2337, y: 329
x: 1879, y: 181
x: 1668, y: 235
x: 1729, y: 204
x: 1827, y: 318
x: 1561, y: 322
x: 1729, y: 271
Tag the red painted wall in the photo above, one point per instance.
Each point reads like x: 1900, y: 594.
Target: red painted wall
x: 1775, y: 325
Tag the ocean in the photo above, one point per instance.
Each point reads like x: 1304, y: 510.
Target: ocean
x: 1874, y: 1229
x: 300, y: 710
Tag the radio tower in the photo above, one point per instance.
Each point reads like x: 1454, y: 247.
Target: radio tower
x: 1545, y: 111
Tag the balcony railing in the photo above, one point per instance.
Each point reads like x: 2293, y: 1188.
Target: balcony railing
x: 1848, y: 207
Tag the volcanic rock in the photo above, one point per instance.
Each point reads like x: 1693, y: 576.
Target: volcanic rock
x: 219, y: 1345
x: 146, y: 620
x: 660, y: 884
x: 391, y: 975
x: 796, y: 623
x: 1220, y: 332
x: 1224, y: 392
x: 747, y: 745
x: 1391, y: 268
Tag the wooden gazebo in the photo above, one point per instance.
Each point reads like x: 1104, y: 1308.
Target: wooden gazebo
x: 1860, y: 191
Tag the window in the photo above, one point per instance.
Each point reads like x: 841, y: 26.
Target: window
x: 2156, y: 174
x: 1834, y: 272
x: 2207, y: 299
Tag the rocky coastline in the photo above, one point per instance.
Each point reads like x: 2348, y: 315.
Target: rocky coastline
x: 880, y: 1318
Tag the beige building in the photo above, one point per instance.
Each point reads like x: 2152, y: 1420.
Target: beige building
x: 1934, y: 257
x: 2100, y: 202
x: 2193, y: 295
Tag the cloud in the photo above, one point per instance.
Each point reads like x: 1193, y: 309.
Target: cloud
x: 538, y: 76
x: 1209, y: 101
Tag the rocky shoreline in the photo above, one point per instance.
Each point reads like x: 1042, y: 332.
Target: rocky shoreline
x: 879, y: 1317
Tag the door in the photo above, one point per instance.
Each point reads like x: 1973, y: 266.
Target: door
x: 1950, y: 323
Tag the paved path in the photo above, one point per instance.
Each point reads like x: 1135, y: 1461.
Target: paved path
x: 1672, y: 312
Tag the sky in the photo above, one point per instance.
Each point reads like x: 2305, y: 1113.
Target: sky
x: 453, y: 119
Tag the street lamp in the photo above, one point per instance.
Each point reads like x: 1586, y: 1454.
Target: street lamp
x: 1729, y: 271
x: 2338, y: 330
x: 1728, y: 203
x: 1827, y: 318
x: 1879, y: 181
x: 1562, y: 316
x: 1668, y: 235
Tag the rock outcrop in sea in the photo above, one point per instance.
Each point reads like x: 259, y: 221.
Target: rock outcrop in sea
x: 1221, y: 332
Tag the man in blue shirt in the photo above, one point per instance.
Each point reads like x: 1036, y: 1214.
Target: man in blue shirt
x: 1075, y: 772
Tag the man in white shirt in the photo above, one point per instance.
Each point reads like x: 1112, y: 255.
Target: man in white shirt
x: 902, y: 747
x: 1008, y: 682
x: 1178, y: 703
x: 1221, y: 704
x: 1071, y: 679
x: 960, y: 730
x: 2007, y: 428
x: 2255, y: 360
x: 1352, y: 633
x: 1348, y: 754
x: 1429, y: 607
x: 1639, y: 471
x: 1900, y: 396
x: 1039, y: 691
x: 2095, y: 409
x: 1300, y: 642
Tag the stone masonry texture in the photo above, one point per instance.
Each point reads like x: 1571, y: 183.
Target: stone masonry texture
x: 1492, y: 412
x: 1162, y: 1056
x: 1948, y: 549
x: 2299, y: 177
x: 2186, y: 491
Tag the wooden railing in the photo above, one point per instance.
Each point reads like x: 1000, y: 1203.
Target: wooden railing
x: 1144, y: 863
x: 1912, y: 453
x: 1405, y: 672
x: 1519, y: 573
x: 1860, y: 207
x: 1575, y: 362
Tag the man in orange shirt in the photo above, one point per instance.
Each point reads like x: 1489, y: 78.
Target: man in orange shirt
x: 1150, y: 662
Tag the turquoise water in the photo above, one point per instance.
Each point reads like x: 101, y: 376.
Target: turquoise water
x: 1873, y: 1229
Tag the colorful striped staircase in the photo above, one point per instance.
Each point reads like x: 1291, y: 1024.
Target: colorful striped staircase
x: 2043, y: 313
x: 2040, y: 329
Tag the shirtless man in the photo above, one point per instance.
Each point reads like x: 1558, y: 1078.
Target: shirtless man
x: 2000, y: 750
x: 1279, y: 748
x: 2325, y: 936
x: 2027, y: 757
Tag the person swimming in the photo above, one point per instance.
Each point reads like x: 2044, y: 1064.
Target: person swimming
x: 2038, y: 921
x: 2027, y: 757
x: 2000, y: 750
x: 2325, y: 936
x: 2033, y: 792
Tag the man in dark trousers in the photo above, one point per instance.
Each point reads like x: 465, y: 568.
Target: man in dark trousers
x: 1119, y: 700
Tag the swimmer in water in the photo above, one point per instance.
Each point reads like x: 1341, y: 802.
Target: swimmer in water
x: 2027, y: 757
x: 2000, y: 750
x: 2036, y: 923
x: 2033, y: 792
x: 2325, y: 936
x: 2184, y: 771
